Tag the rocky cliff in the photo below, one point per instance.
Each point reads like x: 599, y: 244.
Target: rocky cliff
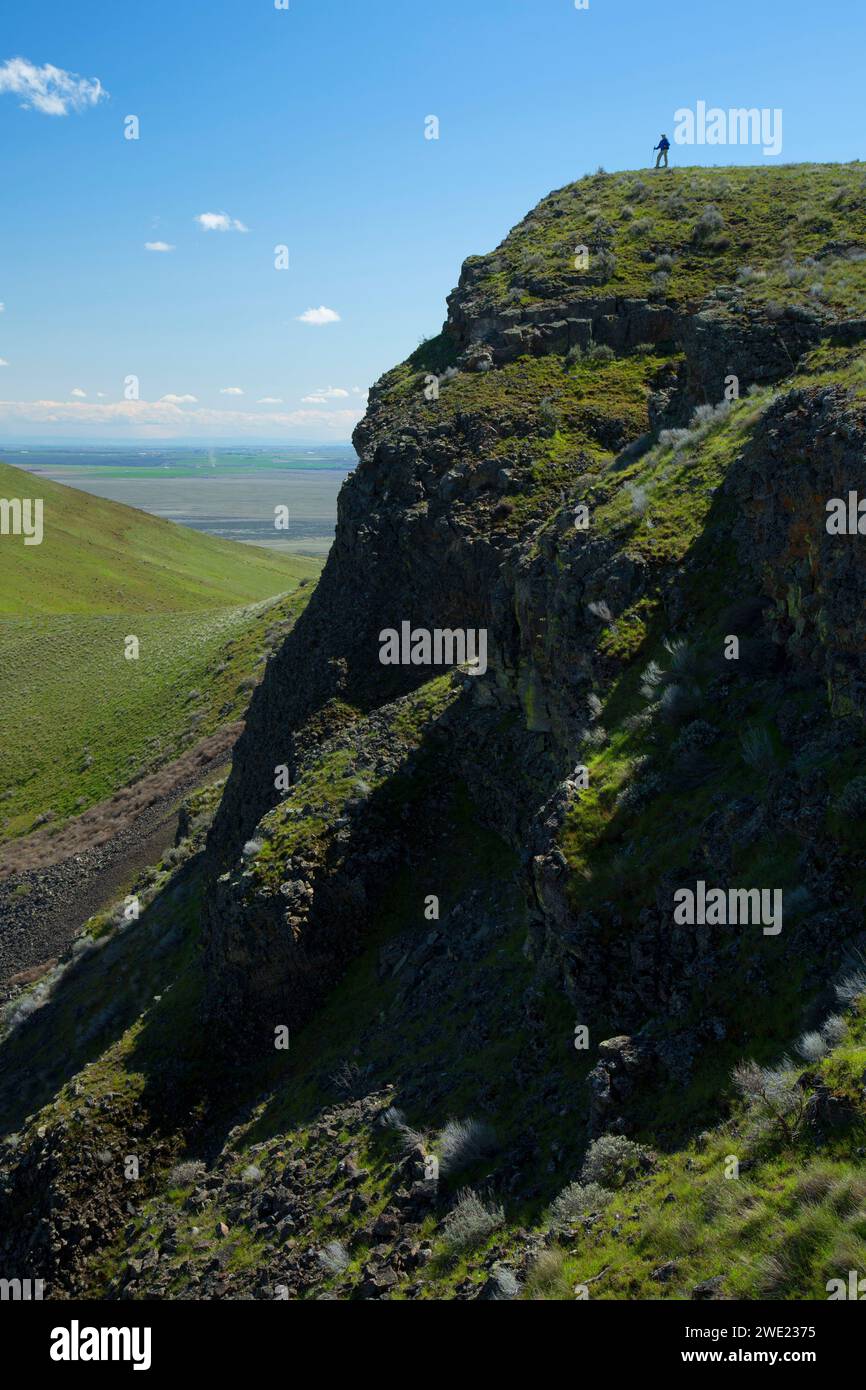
x: 617, y: 354
x: 458, y: 1028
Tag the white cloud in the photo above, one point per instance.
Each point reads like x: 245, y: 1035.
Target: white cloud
x: 3, y: 362
x: 327, y: 393
x: 270, y: 400
x: 319, y: 316
x: 231, y: 391
x: 2, y: 308
x: 219, y: 222
x: 179, y: 400
x: 100, y: 395
x: 158, y: 246
x: 164, y: 419
x: 48, y: 89
x: 313, y: 400
x: 78, y: 393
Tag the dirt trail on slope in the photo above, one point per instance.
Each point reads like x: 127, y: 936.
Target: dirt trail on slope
x: 51, y: 884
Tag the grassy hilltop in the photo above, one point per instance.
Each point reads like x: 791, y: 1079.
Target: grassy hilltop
x: 786, y: 233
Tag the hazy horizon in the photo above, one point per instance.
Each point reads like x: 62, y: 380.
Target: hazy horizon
x: 230, y: 493
x: 29, y: 446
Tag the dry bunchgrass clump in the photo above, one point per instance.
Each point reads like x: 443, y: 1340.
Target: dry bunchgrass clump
x: 464, y: 1142
x: 334, y: 1259
x: 546, y: 1280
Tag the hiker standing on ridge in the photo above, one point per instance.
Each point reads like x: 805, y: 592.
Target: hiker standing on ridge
x: 663, y: 146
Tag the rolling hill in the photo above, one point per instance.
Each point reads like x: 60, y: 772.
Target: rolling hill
x: 78, y: 719
x: 101, y: 557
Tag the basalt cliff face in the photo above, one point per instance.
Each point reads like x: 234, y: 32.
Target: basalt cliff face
x: 448, y: 919
x: 702, y: 426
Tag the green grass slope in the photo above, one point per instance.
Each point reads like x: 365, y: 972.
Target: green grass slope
x: 101, y: 557
x: 77, y: 719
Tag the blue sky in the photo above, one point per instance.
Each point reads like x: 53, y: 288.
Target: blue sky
x: 306, y: 126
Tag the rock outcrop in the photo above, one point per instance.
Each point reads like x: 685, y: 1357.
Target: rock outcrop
x: 475, y: 457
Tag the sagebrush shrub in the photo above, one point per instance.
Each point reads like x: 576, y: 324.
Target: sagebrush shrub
x: 747, y: 275
x: 709, y: 224
x: 640, y: 228
x: 600, y: 352
x: 186, y: 1174
x: 507, y: 1283
x: 601, y: 610
x: 683, y: 656
x: 471, y: 1221
x: 575, y: 1201
x: 612, y: 1160
x: 548, y: 417
x: 348, y: 1078
x: 638, y: 792
x: 674, y: 439
x: 773, y: 1093
x: 638, y: 498
x: 677, y: 702
x: 705, y: 416
x: 603, y: 265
